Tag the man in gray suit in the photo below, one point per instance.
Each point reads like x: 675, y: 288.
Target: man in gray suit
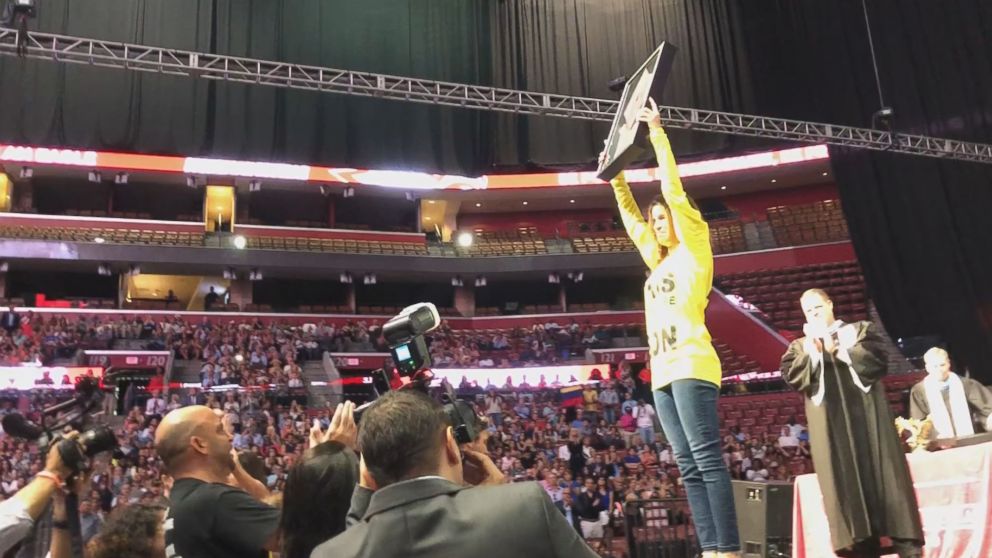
x: 412, y: 500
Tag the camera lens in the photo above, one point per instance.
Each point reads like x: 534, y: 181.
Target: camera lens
x: 97, y: 439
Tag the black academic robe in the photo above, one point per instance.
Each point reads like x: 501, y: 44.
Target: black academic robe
x: 979, y: 402
x: 857, y: 455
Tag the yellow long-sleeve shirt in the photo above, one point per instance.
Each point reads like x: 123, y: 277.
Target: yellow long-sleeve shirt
x: 677, y: 291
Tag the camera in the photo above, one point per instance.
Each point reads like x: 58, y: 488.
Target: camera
x: 75, y: 454
x: 405, y: 336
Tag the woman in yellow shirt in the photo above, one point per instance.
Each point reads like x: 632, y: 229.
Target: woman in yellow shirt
x: 674, y: 242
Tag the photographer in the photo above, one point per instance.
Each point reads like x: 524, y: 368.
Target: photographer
x: 207, y: 517
x: 18, y: 514
x: 412, y: 499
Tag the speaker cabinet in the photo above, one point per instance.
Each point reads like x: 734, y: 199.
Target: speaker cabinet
x: 764, y: 518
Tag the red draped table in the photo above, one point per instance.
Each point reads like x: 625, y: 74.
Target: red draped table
x: 955, y: 496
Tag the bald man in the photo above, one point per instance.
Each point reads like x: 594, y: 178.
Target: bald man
x: 207, y: 517
x: 955, y: 404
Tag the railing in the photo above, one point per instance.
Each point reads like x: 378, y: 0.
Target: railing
x: 660, y: 528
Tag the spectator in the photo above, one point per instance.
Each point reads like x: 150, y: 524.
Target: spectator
x: 406, y: 445
x: 610, y: 401
x: 645, y: 421
x: 590, y: 505
x: 131, y: 532
x: 210, y: 518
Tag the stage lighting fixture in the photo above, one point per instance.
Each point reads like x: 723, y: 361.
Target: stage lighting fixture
x: 465, y: 239
x: 27, y: 172
x: 617, y: 84
x: 4, y: 267
x: 120, y: 178
x: 240, y: 242
x: 95, y: 176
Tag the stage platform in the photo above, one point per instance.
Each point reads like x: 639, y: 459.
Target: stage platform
x: 955, y: 496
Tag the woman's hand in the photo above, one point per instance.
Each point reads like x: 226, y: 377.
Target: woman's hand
x: 342, y: 428
x: 650, y: 115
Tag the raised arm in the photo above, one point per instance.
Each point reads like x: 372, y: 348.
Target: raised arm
x: 689, y: 224
x: 637, y: 228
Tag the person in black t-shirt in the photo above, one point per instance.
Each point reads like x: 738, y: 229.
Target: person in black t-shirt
x: 207, y: 517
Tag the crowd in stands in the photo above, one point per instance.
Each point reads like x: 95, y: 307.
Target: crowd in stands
x: 612, y: 437
x: 541, y: 344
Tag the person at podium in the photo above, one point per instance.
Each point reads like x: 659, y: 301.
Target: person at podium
x: 957, y: 406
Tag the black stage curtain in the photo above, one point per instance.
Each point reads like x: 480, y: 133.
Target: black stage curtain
x: 576, y: 46
x: 45, y: 103
x: 920, y: 226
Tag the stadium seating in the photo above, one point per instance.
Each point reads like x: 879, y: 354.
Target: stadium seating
x: 523, y: 241
x: 796, y: 225
x: 776, y: 291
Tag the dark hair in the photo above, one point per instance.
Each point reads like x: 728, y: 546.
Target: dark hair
x: 316, y: 499
x: 660, y: 200
x: 130, y: 532
x: 401, y: 436
x: 253, y: 465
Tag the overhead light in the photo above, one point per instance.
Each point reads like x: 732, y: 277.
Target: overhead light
x: 349, y: 192
x: 464, y: 239
x: 525, y: 203
x: 104, y: 270
x: 369, y: 279
x: 345, y: 278
x: 27, y: 172
x: 430, y: 202
x: 240, y: 242
x: 95, y: 176
x: 255, y: 185
x: 99, y: 240
x: 4, y: 267
x: 120, y: 178
x: 825, y: 174
x: 457, y: 281
x: 477, y: 204
x: 230, y: 274
x: 427, y: 218
x: 723, y: 187
x: 774, y: 180
x: 480, y: 281
x: 554, y: 278
x: 254, y: 275
x: 571, y: 201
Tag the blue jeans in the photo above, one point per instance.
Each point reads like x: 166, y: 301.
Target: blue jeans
x: 687, y: 409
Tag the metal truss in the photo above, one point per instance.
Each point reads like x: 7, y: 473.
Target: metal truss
x: 60, y: 48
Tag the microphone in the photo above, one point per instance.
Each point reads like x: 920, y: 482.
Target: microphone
x: 16, y: 425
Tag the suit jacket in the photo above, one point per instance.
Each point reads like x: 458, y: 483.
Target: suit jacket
x: 433, y: 517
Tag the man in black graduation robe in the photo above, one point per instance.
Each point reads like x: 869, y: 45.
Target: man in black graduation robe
x: 957, y: 406
x: 857, y: 455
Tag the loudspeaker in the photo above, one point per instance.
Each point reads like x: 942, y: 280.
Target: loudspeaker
x: 764, y: 518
